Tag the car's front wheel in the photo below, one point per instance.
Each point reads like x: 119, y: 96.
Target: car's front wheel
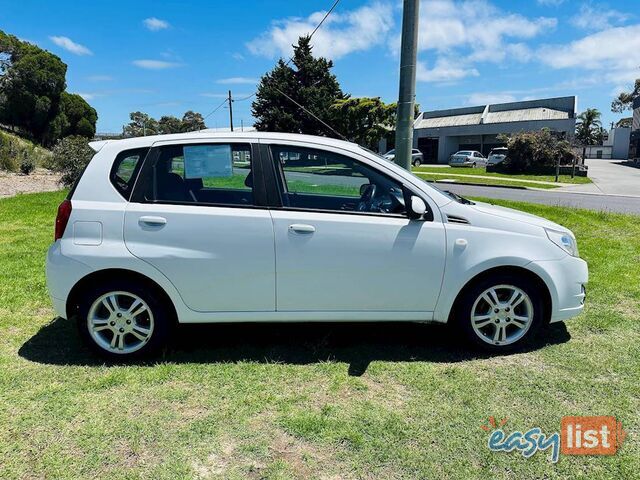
x: 123, y: 320
x: 500, y: 313
x: 417, y: 162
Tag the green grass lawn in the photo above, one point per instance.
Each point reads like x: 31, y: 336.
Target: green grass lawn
x: 465, y: 175
x: 311, y: 401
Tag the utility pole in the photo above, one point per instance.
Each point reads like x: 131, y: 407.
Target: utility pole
x: 407, y: 93
x: 230, y: 111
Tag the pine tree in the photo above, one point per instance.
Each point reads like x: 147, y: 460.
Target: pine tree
x: 309, y: 82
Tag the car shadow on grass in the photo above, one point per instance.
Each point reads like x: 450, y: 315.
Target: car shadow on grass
x: 357, y: 344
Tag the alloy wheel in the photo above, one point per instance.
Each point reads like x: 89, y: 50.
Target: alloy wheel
x: 120, y: 322
x: 502, y: 315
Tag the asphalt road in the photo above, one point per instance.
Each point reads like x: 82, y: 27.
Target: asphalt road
x: 609, y: 203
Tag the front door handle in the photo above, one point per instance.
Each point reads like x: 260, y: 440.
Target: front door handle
x: 154, y: 221
x: 302, y: 228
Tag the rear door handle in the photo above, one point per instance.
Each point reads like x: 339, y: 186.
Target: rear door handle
x: 156, y: 221
x: 301, y: 228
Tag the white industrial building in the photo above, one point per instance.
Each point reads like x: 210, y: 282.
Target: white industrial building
x: 439, y: 134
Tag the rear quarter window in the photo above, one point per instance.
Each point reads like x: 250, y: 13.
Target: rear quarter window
x: 125, y: 170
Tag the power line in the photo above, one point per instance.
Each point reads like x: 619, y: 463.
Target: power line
x: 311, y: 113
x: 326, y: 15
x: 215, y: 109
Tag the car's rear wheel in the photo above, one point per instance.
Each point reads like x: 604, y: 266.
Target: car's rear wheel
x: 417, y: 162
x: 123, y: 320
x: 500, y: 313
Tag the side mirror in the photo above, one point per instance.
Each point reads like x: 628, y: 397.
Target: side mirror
x: 417, y: 207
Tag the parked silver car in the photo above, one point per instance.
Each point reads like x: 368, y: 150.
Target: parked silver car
x: 467, y: 158
x: 497, y: 155
x: 417, y: 158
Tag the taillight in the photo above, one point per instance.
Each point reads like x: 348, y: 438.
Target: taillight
x: 64, y: 212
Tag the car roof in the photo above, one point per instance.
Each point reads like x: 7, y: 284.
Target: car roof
x: 140, y: 142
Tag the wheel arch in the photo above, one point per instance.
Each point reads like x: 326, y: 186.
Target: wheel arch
x: 512, y: 270
x: 81, y: 286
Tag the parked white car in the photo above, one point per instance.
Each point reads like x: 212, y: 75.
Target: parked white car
x: 497, y: 155
x: 417, y: 158
x: 467, y: 158
x: 264, y: 227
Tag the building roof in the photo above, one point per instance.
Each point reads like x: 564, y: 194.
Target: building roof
x: 561, y: 108
x: 525, y: 115
x: 450, y: 121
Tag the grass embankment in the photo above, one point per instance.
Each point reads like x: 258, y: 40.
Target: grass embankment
x: 14, y: 150
x: 480, y: 176
x: 311, y: 401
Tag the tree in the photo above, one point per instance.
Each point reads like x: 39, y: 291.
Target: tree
x: 364, y: 120
x: 141, y: 124
x: 169, y: 124
x: 81, y: 116
x: 589, y: 126
x: 624, y: 101
x: 309, y: 82
x: 192, y: 122
x: 31, y: 83
x: 626, y: 122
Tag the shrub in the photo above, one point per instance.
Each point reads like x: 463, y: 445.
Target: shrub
x: 535, y: 152
x: 70, y: 156
x: 27, y: 165
x: 8, y: 153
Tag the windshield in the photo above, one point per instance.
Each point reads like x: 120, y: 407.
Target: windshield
x: 464, y: 152
x: 499, y: 151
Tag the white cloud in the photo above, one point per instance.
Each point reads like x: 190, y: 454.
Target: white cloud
x: 155, y: 64
x: 71, y: 46
x: 237, y: 81
x: 611, y: 49
x: 90, y: 96
x: 597, y: 17
x: 486, y: 98
x: 476, y: 26
x: 155, y: 24
x: 341, y: 34
x: 445, y: 70
x: 550, y: 3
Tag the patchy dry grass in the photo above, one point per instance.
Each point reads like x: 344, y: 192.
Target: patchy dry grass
x: 362, y: 401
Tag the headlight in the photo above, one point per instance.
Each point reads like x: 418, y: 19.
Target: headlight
x: 564, y: 240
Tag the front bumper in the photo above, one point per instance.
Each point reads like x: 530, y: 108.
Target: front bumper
x: 566, y: 280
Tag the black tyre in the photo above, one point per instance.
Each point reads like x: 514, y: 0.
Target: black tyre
x: 124, y: 319
x: 417, y: 162
x: 500, y: 313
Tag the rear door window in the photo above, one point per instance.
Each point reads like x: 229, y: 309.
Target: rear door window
x: 209, y: 174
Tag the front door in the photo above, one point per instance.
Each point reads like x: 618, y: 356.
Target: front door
x: 196, y: 218
x: 344, y: 242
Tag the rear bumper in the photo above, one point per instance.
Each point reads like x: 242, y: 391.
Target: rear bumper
x: 62, y: 274
x: 567, y: 280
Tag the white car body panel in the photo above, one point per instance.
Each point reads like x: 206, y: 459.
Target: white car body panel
x: 352, y: 268
x: 381, y: 254
x: 222, y: 259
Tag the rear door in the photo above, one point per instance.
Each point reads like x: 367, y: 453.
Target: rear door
x: 198, y: 215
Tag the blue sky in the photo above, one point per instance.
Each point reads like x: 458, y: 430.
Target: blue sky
x: 172, y: 56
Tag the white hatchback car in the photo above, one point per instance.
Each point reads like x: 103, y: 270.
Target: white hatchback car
x: 265, y: 227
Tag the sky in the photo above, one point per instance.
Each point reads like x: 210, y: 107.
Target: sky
x: 166, y: 57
